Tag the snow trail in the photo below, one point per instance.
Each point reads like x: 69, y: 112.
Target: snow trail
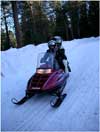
x: 80, y: 109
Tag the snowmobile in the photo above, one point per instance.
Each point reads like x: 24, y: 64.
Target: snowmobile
x: 47, y: 79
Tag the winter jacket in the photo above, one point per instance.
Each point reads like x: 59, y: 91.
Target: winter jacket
x: 60, y: 56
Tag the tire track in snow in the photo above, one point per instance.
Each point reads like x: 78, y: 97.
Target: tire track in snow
x: 39, y: 111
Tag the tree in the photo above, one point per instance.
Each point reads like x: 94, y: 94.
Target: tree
x: 5, y: 44
x: 74, y: 15
x: 41, y: 22
x: 84, y: 27
x: 34, y: 23
x: 67, y: 10
x: 61, y: 22
x: 93, y: 18
x: 48, y: 8
x: 72, y: 12
x: 26, y: 24
x: 16, y: 23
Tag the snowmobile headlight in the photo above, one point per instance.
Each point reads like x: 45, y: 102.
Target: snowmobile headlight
x: 43, y: 71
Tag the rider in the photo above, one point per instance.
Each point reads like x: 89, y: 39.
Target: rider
x: 60, y: 54
x: 50, y: 54
x: 56, y: 50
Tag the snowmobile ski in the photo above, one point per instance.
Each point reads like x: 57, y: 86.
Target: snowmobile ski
x: 69, y: 69
x: 23, y: 100
x: 57, y: 101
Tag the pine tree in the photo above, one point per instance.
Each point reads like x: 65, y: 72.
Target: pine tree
x: 61, y: 22
x: 26, y: 24
x: 93, y: 18
x: 16, y: 23
x: 84, y: 27
x: 34, y: 23
x: 5, y: 44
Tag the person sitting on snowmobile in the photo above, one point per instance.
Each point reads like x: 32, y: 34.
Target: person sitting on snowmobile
x: 50, y: 54
x: 60, y: 54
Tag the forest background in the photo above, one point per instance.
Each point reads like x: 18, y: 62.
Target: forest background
x: 35, y: 22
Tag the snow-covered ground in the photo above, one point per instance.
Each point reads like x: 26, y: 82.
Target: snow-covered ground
x: 80, y: 109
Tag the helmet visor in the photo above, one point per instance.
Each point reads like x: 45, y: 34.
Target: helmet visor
x: 58, y: 45
x: 52, y: 46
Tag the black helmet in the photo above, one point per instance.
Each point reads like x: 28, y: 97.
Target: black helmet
x: 51, y: 44
x: 58, y: 40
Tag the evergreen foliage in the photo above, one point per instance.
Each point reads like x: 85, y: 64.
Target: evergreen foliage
x: 38, y: 21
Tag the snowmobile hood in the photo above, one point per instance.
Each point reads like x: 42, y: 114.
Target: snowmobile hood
x: 38, y: 81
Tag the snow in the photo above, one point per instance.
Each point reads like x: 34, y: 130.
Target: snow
x: 80, y: 109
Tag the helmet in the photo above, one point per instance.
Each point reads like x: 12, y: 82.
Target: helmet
x: 58, y: 41
x: 51, y: 44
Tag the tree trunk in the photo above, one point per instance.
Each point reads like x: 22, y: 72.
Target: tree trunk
x: 66, y: 28
x: 7, y: 32
x: 16, y: 24
x: 78, y: 26
x: 71, y: 30
x: 32, y: 15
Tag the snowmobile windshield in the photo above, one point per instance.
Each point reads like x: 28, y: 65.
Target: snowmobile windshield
x: 45, y: 61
